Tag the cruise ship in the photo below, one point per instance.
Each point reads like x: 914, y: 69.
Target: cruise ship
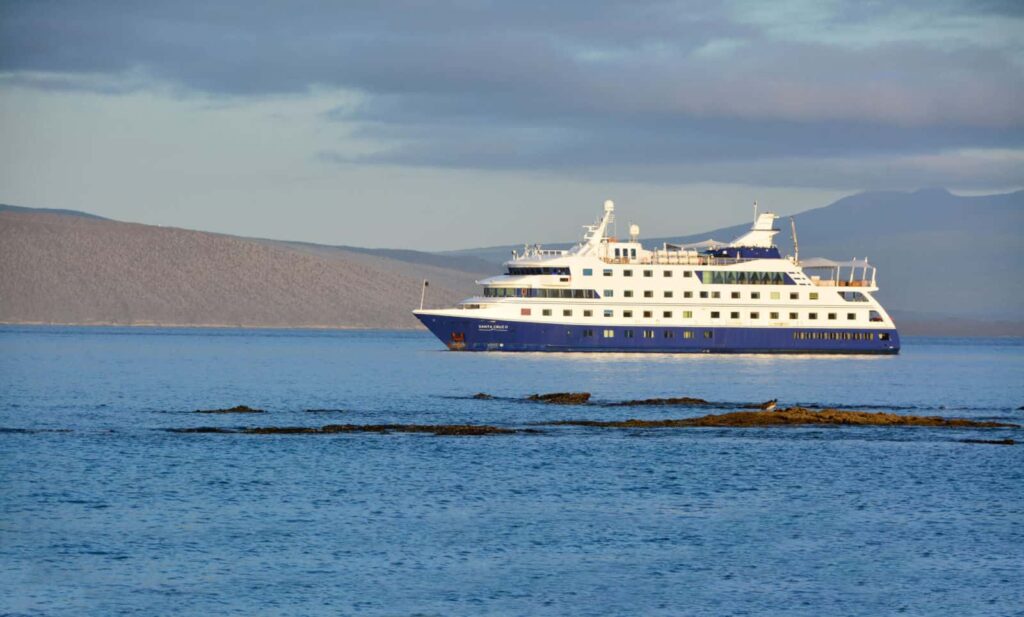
x: 612, y: 295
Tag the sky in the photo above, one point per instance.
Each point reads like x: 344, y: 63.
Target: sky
x: 449, y: 125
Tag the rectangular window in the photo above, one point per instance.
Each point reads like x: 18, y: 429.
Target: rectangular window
x: 546, y: 312
x: 688, y: 294
x: 666, y: 273
x: 647, y: 314
x: 709, y: 334
x: 627, y: 313
x: 734, y: 315
x: 776, y: 295
x: 566, y: 312
x: 883, y: 336
x: 688, y: 334
x: 755, y: 295
x: 609, y: 333
x: 715, y: 314
x: 668, y: 294
x: 715, y: 294
x: 735, y: 295
x: 794, y: 295
x: 608, y: 313
x: 812, y: 315
x: 831, y: 315
x: 755, y: 315
x: 794, y: 316
x: 588, y: 271
x: 607, y: 272
x: 648, y: 273
x: 687, y: 274
x: 851, y: 316
x: 814, y: 295
x: 648, y: 333
x: 588, y: 313
x: 524, y: 311
x: 687, y: 314
x: 703, y: 294
x: 628, y: 293
x: 668, y: 334
x: 608, y: 293
x: 648, y: 293
x: 627, y: 333
x: 627, y: 273
x: 773, y: 315
x: 588, y: 333
x: 666, y: 314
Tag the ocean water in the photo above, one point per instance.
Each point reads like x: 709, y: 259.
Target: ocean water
x: 105, y: 512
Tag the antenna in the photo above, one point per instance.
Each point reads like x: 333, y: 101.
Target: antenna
x: 755, y: 210
x: 796, y: 245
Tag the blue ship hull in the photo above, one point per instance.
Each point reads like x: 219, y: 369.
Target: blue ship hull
x: 474, y: 334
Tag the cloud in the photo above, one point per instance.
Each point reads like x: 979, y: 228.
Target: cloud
x: 571, y: 86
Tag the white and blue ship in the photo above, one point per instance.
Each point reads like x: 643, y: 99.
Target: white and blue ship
x: 612, y: 295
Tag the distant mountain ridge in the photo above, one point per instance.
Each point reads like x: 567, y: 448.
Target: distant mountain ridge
x: 947, y: 264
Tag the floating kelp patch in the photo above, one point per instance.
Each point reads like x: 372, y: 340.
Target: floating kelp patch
x: 561, y: 398
x: 201, y: 429
x: 793, y: 416
x: 30, y: 431
x: 995, y: 442
x: 235, y: 409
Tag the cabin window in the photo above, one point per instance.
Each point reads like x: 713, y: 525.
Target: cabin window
x: 831, y: 315
x: 588, y: 333
x: 647, y: 314
x: 648, y: 273
x: 851, y: 316
x: 715, y: 314
x: 627, y: 313
x: 627, y: 334
x: 794, y: 296
x: 883, y: 336
x: 627, y: 273
x: 813, y: 295
x: 709, y: 334
x: 524, y: 311
x: 687, y: 333
x: 755, y: 295
x: 775, y: 295
x: 734, y: 315
x: 794, y: 316
x: 608, y: 293
x: 607, y: 272
x: 687, y: 274
x: 812, y: 315
x: 703, y: 294
x: 609, y: 313
x: 546, y: 312
x: 588, y: 271
x: 648, y: 293
x: 735, y: 295
x: 566, y: 312
x: 715, y: 294
x: 688, y: 294
x: 588, y: 313
x: 668, y: 294
x: 687, y: 314
x: 755, y: 315
x: 609, y: 333
x: 666, y: 273
x: 648, y: 333
x: 773, y: 315
x: 668, y: 334
x: 666, y: 314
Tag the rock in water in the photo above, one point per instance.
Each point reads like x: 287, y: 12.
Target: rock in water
x: 561, y: 398
x: 235, y: 409
x: 482, y: 396
x: 680, y: 400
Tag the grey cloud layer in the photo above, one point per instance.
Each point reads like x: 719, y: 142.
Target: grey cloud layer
x: 572, y: 85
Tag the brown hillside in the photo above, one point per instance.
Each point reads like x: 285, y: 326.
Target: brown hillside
x: 62, y: 269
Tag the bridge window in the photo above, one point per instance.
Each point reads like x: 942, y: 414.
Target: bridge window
x: 732, y: 277
x: 532, y: 271
x: 852, y: 296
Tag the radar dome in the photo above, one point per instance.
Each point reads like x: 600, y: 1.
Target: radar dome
x: 609, y: 205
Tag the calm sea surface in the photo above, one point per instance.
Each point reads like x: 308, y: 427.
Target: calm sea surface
x: 115, y: 515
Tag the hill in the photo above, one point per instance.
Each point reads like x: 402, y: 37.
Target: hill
x: 60, y: 268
